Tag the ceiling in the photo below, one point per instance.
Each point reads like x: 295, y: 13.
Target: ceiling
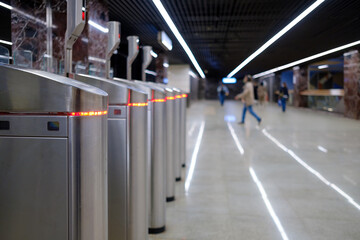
x: 222, y: 33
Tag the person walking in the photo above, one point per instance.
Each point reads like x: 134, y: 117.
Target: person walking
x: 284, y: 95
x: 247, y: 96
x: 223, y: 91
x: 261, y: 91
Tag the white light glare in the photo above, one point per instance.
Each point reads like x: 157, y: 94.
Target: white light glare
x: 192, y: 74
x: 98, y: 27
x: 166, y: 65
x: 277, y: 36
x: 237, y: 142
x: 313, y: 171
x: 6, y: 42
x: 191, y: 131
x: 322, y: 149
x: 151, y: 72
x: 268, y: 204
x: 95, y: 59
x: 194, y: 157
x: 153, y: 54
x: 323, y: 66
x: 307, y: 59
x: 177, y: 34
x: 6, y: 6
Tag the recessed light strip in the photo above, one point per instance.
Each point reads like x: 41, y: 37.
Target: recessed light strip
x: 6, y: 42
x: 307, y: 59
x: 277, y: 36
x: 177, y: 34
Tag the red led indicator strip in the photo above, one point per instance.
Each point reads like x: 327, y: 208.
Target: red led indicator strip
x: 83, y: 16
x: 178, y: 96
x: 83, y: 114
x: 158, y: 100
x: 138, y: 104
x: 170, y: 98
x: 184, y: 95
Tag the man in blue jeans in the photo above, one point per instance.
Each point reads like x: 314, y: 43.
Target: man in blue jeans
x: 223, y: 91
x: 247, y: 96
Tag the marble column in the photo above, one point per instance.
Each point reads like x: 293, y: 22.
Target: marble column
x: 352, y: 84
x: 30, y: 34
x: 300, y: 84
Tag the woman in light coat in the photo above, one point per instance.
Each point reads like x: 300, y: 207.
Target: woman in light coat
x: 247, y: 96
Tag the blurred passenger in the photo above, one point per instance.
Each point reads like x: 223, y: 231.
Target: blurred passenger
x: 283, y: 95
x: 223, y: 91
x: 247, y: 96
x: 261, y: 91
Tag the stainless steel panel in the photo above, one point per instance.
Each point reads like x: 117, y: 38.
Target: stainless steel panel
x: 177, y: 160
x: 118, y: 179
x: 158, y: 165
x: 34, y: 125
x: 135, y: 84
x: 118, y: 92
x: 183, y: 132
x: 33, y: 91
x: 88, y: 178
x: 137, y: 131
x: 170, y: 159
x: 33, y: 188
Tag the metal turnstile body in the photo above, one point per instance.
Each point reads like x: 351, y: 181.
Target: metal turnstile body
x: 177, y: 139
x: 183, y: 129
x: 53, y: 142
x: 170, y: 137
x: 127, y: 120
x: 157, y: 173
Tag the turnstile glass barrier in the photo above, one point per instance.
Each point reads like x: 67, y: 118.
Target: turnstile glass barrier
x: 127, y: 120
x: 53, y: 145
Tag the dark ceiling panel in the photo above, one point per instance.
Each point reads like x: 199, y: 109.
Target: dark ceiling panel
x: 222, y: 33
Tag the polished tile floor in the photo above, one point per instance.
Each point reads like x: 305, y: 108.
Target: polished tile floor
x: 297, y: 176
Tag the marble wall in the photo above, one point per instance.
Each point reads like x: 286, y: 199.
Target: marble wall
x: 300, y: 84
x: 352, y: 84
x: 29, y: 35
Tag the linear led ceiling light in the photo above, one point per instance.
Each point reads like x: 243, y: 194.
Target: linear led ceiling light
x: 6, y: 42
x: 277, y: 36
x: 6, y: 6
x: 307, y: 59
x: 178, y: 36
x: 98, y: 27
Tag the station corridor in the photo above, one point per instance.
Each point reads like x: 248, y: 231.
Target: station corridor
x: 296, y: 176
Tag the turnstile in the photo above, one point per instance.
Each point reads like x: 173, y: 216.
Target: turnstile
x: 177, y: 139
x: 157, y: 153
x: 170, y: 135
x: 179, y: 129
x: 53, y: 162
x: 127, y: 120
x: 183, y: 129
